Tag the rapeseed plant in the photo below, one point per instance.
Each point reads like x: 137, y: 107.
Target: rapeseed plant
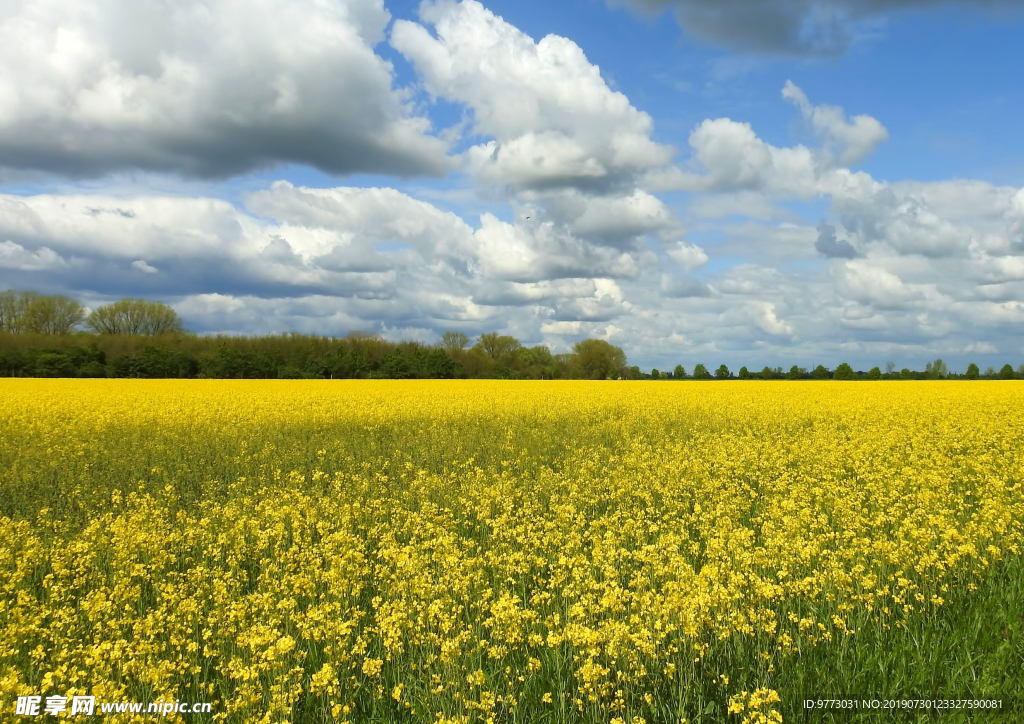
x: 482, y: 551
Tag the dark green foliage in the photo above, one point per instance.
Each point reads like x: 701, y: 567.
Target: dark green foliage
x: 820, y: 373
x: 972, y: 371
x: 844, y: 372
x: 155, y: 363
x: 723, y: 373
x: 679, y: 372
x: 1006, y: 373
x: 875, y: 374
x: 700, y: 372
x: 744, y: 373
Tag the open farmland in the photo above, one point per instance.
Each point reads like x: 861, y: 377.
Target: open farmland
x: 473, y: 551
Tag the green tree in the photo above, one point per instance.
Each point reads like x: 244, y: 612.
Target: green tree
x: 767, y: 374
x: 889, y: 367
x: 935, y: 370
x: 500, y: 348
x: 134, y: 316
x: 973, y: 371
x: 723, y: 373
x: 700, y: 372
x: 679, y: 372
x: 905, y: 374
x: 744, y: 373
x: 52, y: 315
x: 454, y: 341
x: 794, y: 373
x: 594, y: 359
x: 875, y: 374
x: 12, y: 310
x: 655, y: 375
x: 1006, y: 373
x: 820, y: 373
x: 843, y: 372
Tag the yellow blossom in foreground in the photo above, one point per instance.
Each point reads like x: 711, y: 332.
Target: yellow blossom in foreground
x: 473, y: 551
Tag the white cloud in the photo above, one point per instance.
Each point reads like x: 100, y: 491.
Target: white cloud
x: 544, y: 251
x: 18, y: 258
x: 764, y: 316
x: 616, y: 220
x: 852, y: 141
x: 688, y: 256
x: 554, y: 120
x: 142, y: 266
x: 561, y: 328
x: 204, y: 87
x: 871, y: 285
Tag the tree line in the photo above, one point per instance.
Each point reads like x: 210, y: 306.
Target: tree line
x: 39, y: 337
x: 138, y: 338
x: 936, y: 370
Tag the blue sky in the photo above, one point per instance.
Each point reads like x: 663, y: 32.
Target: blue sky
x: 756, y: 182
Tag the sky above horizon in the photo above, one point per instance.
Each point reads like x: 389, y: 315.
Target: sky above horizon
x: 748, y: 182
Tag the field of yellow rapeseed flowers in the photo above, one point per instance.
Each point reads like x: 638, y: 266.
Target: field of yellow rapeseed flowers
x: 472, y: 551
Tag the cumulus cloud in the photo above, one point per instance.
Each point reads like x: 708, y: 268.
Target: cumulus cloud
x: 205, y: 88
x: 850, y: 141
x: 532, y: 252
x: 681, y: 287
x: 409, y: 260
x: 875, y: 286
x: 554, y: 121
x: 17, y: 258
x: 789, y: 27
x: 735, y: 160
x: 828, y: 245
x: 688, y: 256
x: 618, y: 220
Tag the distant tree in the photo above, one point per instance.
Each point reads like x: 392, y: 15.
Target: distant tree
x: 905, y: 374
x: 655, y: 375
x: 723, y: 373
x: 633, y: 373
x: 889, y: 367
x: 794, y: 373
x: 820, y: 373
x: 52, y: 315
x: 12, y: 310
x: 767, y: 374
x: 990, y: 373
x: 1020, y: 371
x: 454, y: 341
x: 679, y: 372
x: 843, y: 372
x: 1006, y: 373
x: 134, y: 316
x: 935, y: 370
x: 700, y: 372
x: 973, y: 371
x: 500, y: 348
x: 875, y: 374
x: 594, y: 359
x: 744, y: 373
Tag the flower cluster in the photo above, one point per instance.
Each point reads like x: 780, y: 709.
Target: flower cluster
x: 482, y: 551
